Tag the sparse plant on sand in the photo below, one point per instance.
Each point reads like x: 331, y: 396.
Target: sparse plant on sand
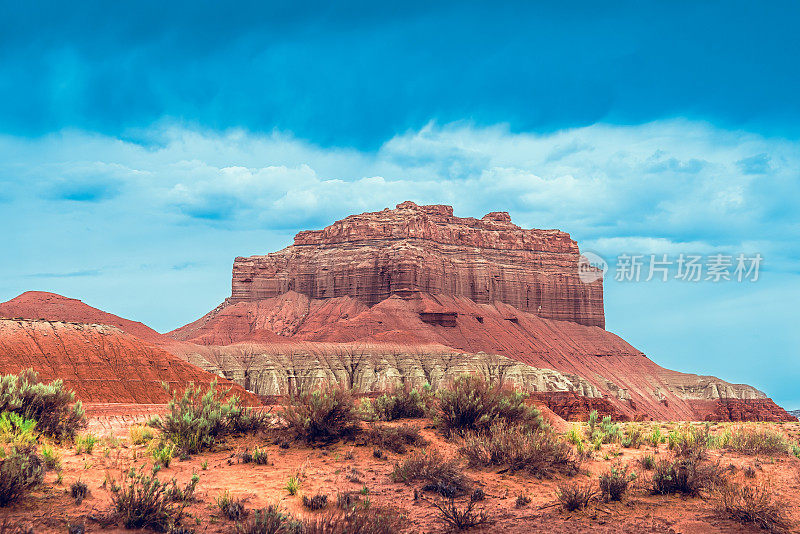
x: 460, y: 518
x: 753, y: 505
x: 79, y: 490
x: 574, y: 496
x: 197, y: 419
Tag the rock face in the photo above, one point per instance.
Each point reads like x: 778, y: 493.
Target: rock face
x: 99, y: 362
x: 412, y: 249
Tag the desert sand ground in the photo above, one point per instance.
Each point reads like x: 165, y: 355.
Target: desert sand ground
x: 345, y: 466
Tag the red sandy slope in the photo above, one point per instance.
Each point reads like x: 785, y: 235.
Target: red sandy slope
x: 101, y: 363
x: 625, y: 374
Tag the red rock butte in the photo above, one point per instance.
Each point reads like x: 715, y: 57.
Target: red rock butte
x: 419, y: 276
x: 428, y: 295
x: 425, y: 249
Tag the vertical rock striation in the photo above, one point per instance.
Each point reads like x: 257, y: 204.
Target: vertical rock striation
x: 413, y: 249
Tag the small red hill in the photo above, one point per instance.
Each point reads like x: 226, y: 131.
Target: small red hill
x: 54, y: 307
x: 100, y: 363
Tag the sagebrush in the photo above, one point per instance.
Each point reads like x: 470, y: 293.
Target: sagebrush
x: 437, y: 473
x: 197, y: 419
x: 472, y: 404
x: 53, y: 407
x: 323, y: 415
x: 537, y: 452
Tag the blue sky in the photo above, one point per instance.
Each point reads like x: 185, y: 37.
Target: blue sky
x: 143, y: 146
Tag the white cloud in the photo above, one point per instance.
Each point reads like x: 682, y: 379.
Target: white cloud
x: 668, y: 182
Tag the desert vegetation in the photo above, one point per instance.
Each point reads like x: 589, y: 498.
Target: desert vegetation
x: 475, y: 456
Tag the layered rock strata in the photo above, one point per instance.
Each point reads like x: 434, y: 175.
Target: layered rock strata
x: 412, y: 249
x: 99, y: 362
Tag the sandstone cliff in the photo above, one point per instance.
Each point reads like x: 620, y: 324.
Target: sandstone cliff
x: 372, y: 256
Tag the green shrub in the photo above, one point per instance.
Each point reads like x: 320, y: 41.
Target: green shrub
x: 439, y: 475
x: 51, y: 458
x: 197, y: 419
x: 648, y: 462
x: 52, y: 407
x: 21, y: 470
x: 614, y: 483
x: 177, y: 494
x: 323, y: 415
x: 163, y: 454
x: 754, y: 505
x: 258, y: 456
x: 85, y: 443
x: 401, y: 404
x: 573, y: 436
x: 16, y: 430
x: 395, y: 438
x: 655, y: 437
x: 140, y: 434
x: 592, y: 425
x: 606, y: 431
x: 538, y: 453
x: 292, y: 485
x: 634, y: 436
x: 749, y: 440
x: 471, y: 404
x: 690, y: 441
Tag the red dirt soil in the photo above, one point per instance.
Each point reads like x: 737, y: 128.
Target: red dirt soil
x: 333, y: 469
